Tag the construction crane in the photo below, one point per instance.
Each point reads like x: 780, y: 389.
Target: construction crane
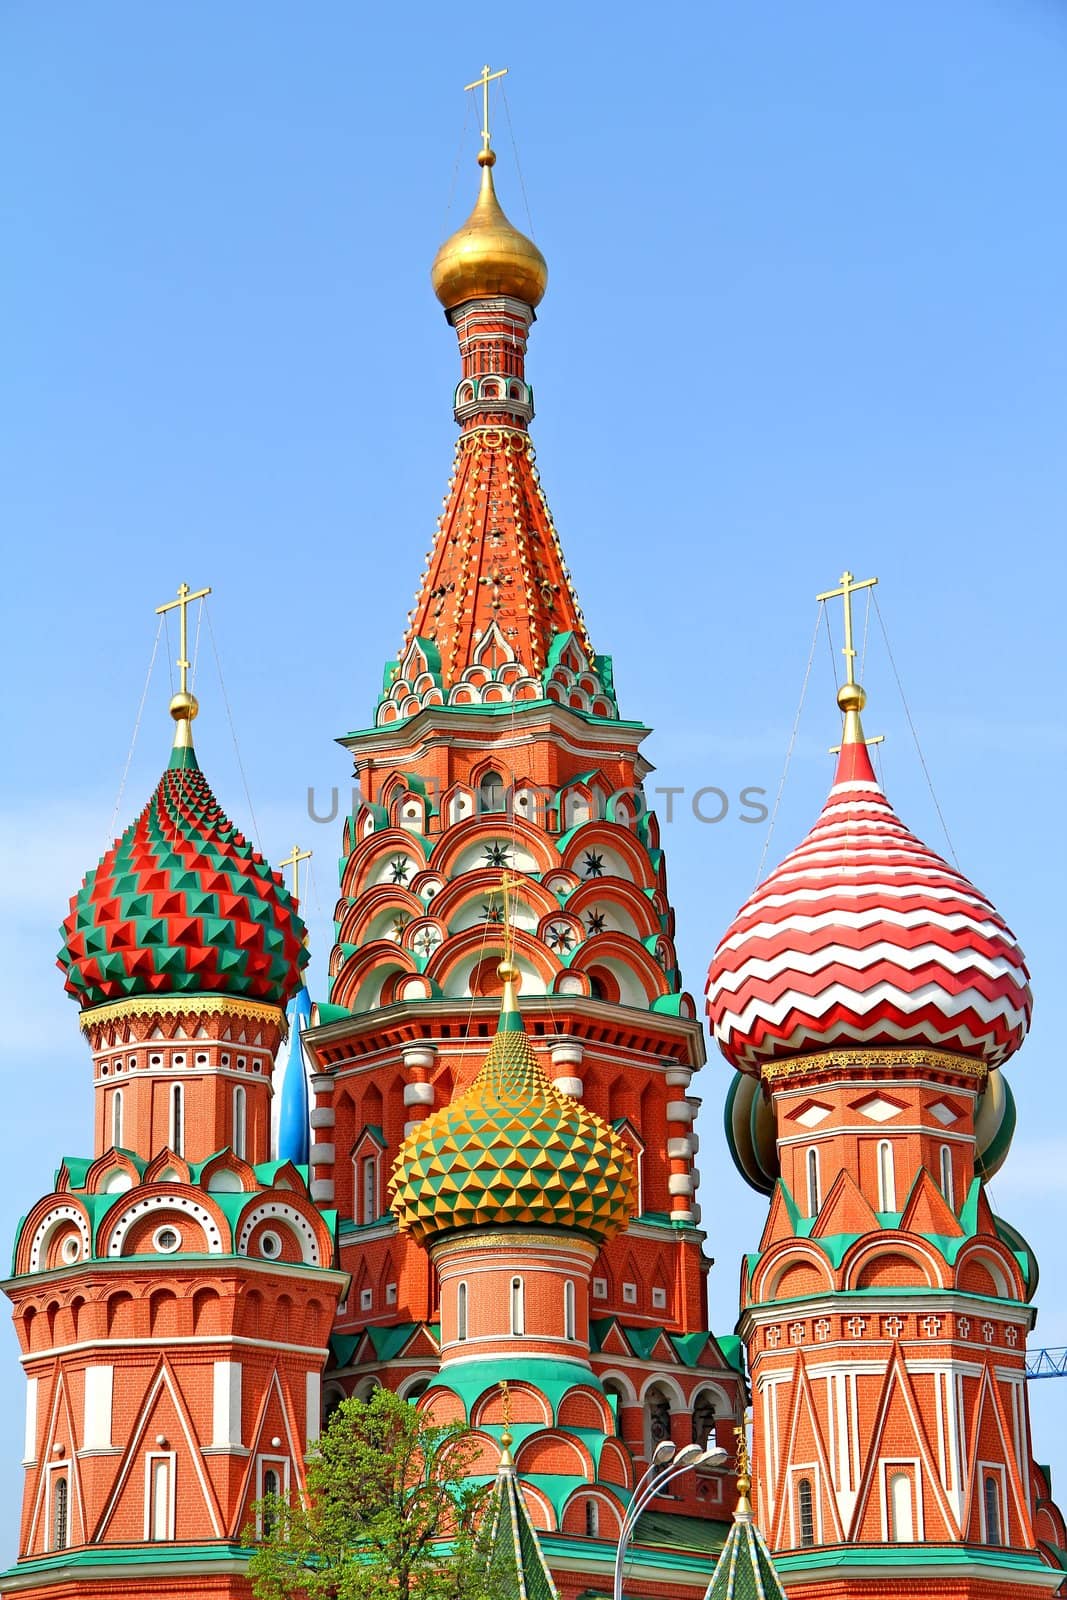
x: 1046, y: 1363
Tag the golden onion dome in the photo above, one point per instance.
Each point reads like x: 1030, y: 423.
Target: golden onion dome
x: 488, y: 256
x: 513, y: 1151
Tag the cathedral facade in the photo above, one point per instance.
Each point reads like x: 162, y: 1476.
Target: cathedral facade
x: 483, y: 1190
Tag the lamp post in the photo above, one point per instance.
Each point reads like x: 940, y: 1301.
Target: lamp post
x: 666, y: 1466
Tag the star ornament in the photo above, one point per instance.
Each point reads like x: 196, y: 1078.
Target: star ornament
x: 593, y: 864
x: 496, y: 854
x: 400, y: 868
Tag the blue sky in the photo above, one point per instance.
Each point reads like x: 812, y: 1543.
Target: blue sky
x: 805, y: 311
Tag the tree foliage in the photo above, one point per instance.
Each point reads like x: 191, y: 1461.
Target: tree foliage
x: 388, y: 1514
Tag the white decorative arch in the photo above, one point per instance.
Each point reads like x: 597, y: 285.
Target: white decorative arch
x: 164, y: 1203
x: 993, y: 1265
x: 893, y: 1244
x: 47, y: 1227
x: 405, y: 1388
x: 660, y: 1380
x: 298, y: 1224
x: 624, y: 1382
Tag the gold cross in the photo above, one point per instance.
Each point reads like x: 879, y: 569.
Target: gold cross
x: 505, y: 1403
x: 484, y: 79
x: 849, y: 585
x: 293, y: 859
x: 506, y: 884
x: 876, y: 738
x: 741, y: 1435
x: 183, y: 602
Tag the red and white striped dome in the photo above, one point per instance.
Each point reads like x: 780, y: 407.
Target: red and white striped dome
x: 863, y: 936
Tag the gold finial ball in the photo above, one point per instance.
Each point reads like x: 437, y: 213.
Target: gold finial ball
x: 508, y: 972
x: 184, y: 707
x: 487, y: 158
x: 850, y: 697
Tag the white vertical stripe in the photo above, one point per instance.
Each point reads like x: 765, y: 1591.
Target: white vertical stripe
x: 29, y: 1449
x: 96, y: 1430
x: 314, y: 1406
x: 226, y: 1413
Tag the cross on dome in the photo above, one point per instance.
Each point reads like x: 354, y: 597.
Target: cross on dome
x: 293, y: 859
x: 184, y: 706
x: 482, y: 82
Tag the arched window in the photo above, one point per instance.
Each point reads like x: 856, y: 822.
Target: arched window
x: 703, y: 1419
x: 239, y: 1122
x: 592, y: 1520
x: 813, y: 1183
x: 991, y: 1503
x: 270, y: 1487
x: 901, y: 1515
x: 518, y: 1307
x: 806, y: 1510
x: 948, y: 1188
x: 369, y: 1185
x: 491, y: 792
x: 177, y: 1119
x: 887, y: 1189
x: 60, y: 1513
x: 116, y: 1119
x: 568, y: 1317
x: 461, y: 1311
x: 658, y: 1407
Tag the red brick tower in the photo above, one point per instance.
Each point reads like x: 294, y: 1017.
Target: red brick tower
x: 870, y: 995
x: 497, y: 746
x: 174, y: 1296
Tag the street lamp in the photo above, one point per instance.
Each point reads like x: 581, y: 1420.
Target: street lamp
x: 666, y: 1466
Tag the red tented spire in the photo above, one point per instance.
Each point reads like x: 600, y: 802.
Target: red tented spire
x: 496, y: 589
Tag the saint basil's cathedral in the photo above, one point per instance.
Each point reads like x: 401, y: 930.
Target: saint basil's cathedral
x: 471, y: 1174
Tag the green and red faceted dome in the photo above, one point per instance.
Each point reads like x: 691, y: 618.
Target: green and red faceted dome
x: 865, y: 936
x: 513, y: 1151
x: 182, y: 904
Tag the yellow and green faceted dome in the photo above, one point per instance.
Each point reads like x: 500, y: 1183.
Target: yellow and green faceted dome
x: 514, y: 1151
x: 182, y: 904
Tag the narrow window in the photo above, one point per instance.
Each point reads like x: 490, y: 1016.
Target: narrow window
x: 947, y: 1186
x: 239, y: 1122
x: 160, y: 1503
x: 177, y: 1119
x: 887, y: 1189
x: 901, y: 1516
x: 60, y: 1514
x: 806, y: 1507
x: 991, y: 1499
x: 370, y: 1189
x: 270, y: 1487
x: 568, y: 1320
x: 703, y: 1419
x: 813, y: 1183
x: 592, y: 1519
x: 461, y: 1311
x: 116, y: 1119
x: 518, y: 1309
x: 491, y: 792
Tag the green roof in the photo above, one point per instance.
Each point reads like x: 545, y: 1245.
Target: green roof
x: 517, y: 1567
x: 744, y: 1570
x: 670, y: 1530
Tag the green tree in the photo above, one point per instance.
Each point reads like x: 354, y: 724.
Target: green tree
x: 388, y: 1516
